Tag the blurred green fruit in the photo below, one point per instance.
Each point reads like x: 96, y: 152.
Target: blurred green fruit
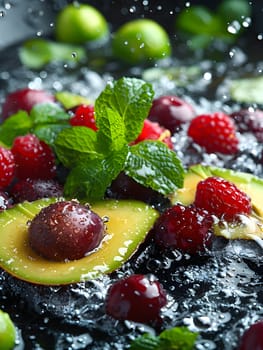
x: 78, y: 24
x: 141, y: 40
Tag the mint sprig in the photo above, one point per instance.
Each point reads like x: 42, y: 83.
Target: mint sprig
x: 153, y: 164
x: 177, y: 338
x: 96, y: 158
x: 45, y: 120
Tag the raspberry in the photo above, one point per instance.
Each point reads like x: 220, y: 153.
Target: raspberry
x: 221, y: 198
x: 33, y: 189
x: 215, y: 132
x: 153, y: 131
x: 7, y: 167
x: 171, y: 112
x: 249, y: 121
x: 34, y: 158
x: 136, y: 298
x: 84, y: 116
x: 24, y: 99
x: 186, y: 228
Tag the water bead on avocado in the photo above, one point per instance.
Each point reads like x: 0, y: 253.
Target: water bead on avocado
x: 79, y: 24
x: 141, y: 40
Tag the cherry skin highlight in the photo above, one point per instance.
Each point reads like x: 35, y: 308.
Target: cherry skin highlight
x: 171, y: 112
x: 136, y: 298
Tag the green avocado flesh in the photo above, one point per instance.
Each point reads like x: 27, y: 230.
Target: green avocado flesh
x: 129, y: 222
x: 251, y: 227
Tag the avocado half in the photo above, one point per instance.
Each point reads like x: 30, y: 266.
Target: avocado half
x: 129, y: 222
x: 252, y: 226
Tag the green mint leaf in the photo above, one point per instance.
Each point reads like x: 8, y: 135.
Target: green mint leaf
x: 111, y: 133
x: 15, y: 125
x: 49, y: 132
x: 76, y: 144
x: 90, y: 180
x: 145, y: 342
x: 36, y: 53
x: 153, y: 164
x: 131, y: 99
x: 48, y: 113
x: 178, y: 338
x: 70, y: 100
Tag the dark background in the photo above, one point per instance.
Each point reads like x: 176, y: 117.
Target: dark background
x: 29, y: 18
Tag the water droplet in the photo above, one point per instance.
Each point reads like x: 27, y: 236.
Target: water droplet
x: 2, y: 13
x: 132, y: 9
x: 234, y: 27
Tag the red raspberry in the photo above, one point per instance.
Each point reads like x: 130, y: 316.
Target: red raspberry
x: 84, y: 116
x: 7, y: 167
x: 171, y: 112
x: 249, y: 121
x: 186, y: 228
x: 252, y: 337
x: 34, y: 158
x: 221, y: 198
x: 215, y: 132
x: 136, y: 298
x: 33, y: 189
x: 24, y: 99
x: 153, y: 131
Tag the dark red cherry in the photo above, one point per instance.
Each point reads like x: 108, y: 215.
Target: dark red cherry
x: 33, y: 189
x: 65, y: 230
x: 248, y: 120
x: 124, y: 187
x: 252, y: 338
x: 136, y: 298
x: 171, y: 112
x: 24, y: 99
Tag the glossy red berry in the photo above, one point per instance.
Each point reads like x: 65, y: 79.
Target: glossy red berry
x: 221, y: 198
x: 171, y: 112
x: 7, y: 167
x: 65, y: 230
x: 215, y: 132
x: 136, y: 298
x: 153, y: 131
x: 186, y: 228
x: 252, y: 337
x: 24, y: 99
x: 34, y: 158
x: 84, y: 116
x: 249, y: 121
x: 33, y: 189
